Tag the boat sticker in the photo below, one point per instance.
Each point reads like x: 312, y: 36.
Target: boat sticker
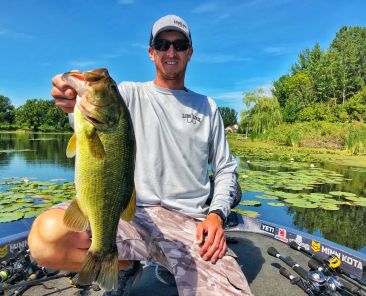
x: 334, y: 262
x: 315, y: 246
x: 18, y: 245
x: 4, y: 251
x: 268, y: 228
x: 299, y: 240
x: 344, y: 257
x: 282, y: 235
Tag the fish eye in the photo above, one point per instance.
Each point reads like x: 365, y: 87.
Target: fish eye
x: 114, y: 87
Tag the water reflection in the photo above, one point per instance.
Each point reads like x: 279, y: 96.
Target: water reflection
x: 346, y: 226
x: 43, y: 156
x: 35, y: 148
x: 38, y: 156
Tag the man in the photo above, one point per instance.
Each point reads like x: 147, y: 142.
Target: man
x: 179, y: 133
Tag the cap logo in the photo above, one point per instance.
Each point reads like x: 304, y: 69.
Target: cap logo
x: 180, y: 24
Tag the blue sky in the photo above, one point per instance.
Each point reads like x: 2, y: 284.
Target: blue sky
x: 238, y: 45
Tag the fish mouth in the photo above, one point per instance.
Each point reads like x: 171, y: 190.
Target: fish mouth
x: 93, y: 118
x: 88, y: 76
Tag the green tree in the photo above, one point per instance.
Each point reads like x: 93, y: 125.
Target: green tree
x: 229, y: 116
x: 356, y: 106
x: 299, y: 95
x: 318, y: 112
x: 41, y: 115
x: 263, y: 112
x: 332, y: 76
x: 349, y: 48
x: 281, y: 89
x: 6, y: 111
x: 314, y: 64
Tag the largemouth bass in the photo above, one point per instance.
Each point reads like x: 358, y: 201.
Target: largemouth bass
x: 104, y: 146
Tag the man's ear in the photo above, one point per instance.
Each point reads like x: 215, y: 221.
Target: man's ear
x: 190, y: 53
x: 151, y: 51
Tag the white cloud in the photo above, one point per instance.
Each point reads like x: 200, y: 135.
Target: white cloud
x: 126, y: 2
x: 205, y: 8
x: 229, y: 96
x: 266, y: 89
x: 230, y: 99
x: 140, y: 45
x: 219, y: 58
x: 111, y: 55
x: 274, y: 50
x: 13, y: 34
x: 83, y: 64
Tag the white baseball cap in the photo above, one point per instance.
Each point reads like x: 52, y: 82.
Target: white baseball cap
x: 170, y: 22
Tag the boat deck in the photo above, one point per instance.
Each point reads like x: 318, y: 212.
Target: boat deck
x: 261, y: 270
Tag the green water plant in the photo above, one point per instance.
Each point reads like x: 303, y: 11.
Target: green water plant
x: 24, y: 198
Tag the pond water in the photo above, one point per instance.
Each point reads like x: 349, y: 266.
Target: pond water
x: 42, y: 157
x: 36, y: 157
x: 346, y: 226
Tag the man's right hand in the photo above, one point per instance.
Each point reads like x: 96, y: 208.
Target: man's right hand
x: 64, y: 94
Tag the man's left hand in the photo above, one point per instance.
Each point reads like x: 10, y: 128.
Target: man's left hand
x: 210, y: 236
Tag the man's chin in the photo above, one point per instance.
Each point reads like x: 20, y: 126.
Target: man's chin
x: 171, y: 76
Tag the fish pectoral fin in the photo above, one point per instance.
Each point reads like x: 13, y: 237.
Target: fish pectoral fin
x: 129, y: 212
x: 74, y: 218
x: 100, y: 268
x: 95, y: 144
x: 71, y: 147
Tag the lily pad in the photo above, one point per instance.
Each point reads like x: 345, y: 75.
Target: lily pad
x: 338, y: 193
x: 248, y: 202
x: 276, y: 204
x: 33, y: 213
x: 9, y: 217
x: 266, y: 197
x: 305, y: 205
x: 329, y: 207
x: 354, y: 198
x: 251, y: 214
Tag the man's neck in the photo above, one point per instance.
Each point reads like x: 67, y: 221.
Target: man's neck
x: 169, y: 84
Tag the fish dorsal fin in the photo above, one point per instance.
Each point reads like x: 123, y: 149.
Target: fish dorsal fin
x: 129, y: 212
x: 71, y: 147
x: 95, y: 144
x: 74, y: 218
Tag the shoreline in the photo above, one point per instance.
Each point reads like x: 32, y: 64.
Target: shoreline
x: 340, y: 157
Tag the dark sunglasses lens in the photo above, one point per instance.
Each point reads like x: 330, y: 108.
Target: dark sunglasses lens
x: 164, y: 45
x: 180, y: 44
x: 161, y: 44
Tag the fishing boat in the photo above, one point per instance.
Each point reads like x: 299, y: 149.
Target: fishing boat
x: 263, y: 251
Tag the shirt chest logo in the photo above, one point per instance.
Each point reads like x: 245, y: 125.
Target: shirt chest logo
x: 191, y: 118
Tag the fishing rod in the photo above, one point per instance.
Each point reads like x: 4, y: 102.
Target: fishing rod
x: 296, y: 280
x: 17, y: 267
x: 319, y: 283
x: 21, y: 272
x: 29, y: 283
x: 353, y: 288
x: 314, y: 283
x: 330, y: 263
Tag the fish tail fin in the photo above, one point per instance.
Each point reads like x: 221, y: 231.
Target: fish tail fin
x: 102, y: 269
x: 74, y: 219
x: 129, y: 211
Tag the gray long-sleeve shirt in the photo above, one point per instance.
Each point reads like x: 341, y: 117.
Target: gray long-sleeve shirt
x: 179, y: 133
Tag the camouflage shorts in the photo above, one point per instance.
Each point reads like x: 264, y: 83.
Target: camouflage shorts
x: 169, y: 239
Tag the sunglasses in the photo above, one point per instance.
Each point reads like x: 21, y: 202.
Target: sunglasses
x: 164, y: 45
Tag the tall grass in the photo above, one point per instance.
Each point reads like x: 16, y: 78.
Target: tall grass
x: 350, y: 136
x: 293, y: 138
x: 355, y: 140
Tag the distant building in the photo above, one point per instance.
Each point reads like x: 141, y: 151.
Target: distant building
x: 232, y: 128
